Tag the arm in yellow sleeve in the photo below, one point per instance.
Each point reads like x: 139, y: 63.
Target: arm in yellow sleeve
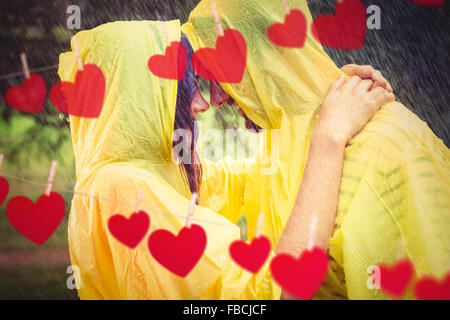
x: 223, y: 187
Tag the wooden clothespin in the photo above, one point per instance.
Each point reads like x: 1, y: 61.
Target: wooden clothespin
x: 191, y: 210
x: 312, y: 232
x: 51, y: 177
x: 259, y: 225
x: 76, y: 51
x: 26, y: 70
x: 1, y: 161
x: 139, y: 200
x: 217, y: 18
x: 286, y: 6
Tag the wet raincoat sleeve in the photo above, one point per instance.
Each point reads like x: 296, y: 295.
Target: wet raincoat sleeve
x: 395, y: 187
x: 223, y: 187
x: 128, y: 148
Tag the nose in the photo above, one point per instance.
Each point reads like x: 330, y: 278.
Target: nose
x: 203, y: 107
x: 199, y: 104
x: 218, y: 96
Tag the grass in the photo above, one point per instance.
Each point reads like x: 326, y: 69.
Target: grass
x: 30, y: 281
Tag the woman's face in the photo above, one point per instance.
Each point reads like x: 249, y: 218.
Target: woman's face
x: 218, y: 98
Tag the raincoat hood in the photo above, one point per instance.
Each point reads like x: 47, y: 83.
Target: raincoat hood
x: 137, y: 119
x: 278, y: 81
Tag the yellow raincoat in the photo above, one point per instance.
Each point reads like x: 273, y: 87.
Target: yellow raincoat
x: 396, y: 181
x: 129, y: 147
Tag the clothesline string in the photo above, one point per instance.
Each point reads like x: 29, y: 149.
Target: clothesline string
x: 68, y: 64
x: 20, y: 74
x: 55, y: 66
x: 132, y: 205
x: 121, y: 203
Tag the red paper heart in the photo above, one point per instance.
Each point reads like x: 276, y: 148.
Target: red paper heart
x: 29, y: 98
x: 226, y: 63
x: 129, y: 231
x: 394, y: 280
x: 429, y: 3
x: 4, y: 189
x: 430, y: 289
x: 344, y: 30
x: 84, y: 98
x: 37, y: 222
x: 181, y: 253
x: 291, y: 34
x: 251, y: 256
x: 301, y: 277
x: 172, y: 65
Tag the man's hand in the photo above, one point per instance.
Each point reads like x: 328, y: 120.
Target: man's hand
x: 367, y: 72
x: 348, y: 106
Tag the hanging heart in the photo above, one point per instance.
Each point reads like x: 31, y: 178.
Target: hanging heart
x: 429, y: 288
x: 344, y: 30
x: 29, y: 98
x: 301, y: 277
x: 172, y: 65
x: 179, y: 254
x: 4, y: 189
x: 36, y: 221
x: 291, y: 33
x: 394, y: 280
x: 251, y: 256
x: 226, y: 63
x: 129, y: 231
x: 85, y: 97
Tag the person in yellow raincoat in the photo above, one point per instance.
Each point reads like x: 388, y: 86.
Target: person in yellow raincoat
x: 129, y: 148
x: 395, y: 189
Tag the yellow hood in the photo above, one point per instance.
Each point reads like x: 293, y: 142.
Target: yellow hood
x: 278, y: 81
x: 396, y: 180
x: 137, y: 119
